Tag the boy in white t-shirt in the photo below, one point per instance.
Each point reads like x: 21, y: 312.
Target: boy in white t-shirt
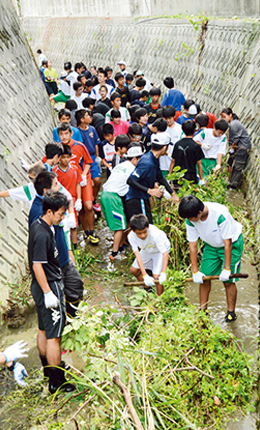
x: 154, y: 249
x: 223, y: 248
x: 116, y: 101
x: 213, y: 143
x: 175, y: 131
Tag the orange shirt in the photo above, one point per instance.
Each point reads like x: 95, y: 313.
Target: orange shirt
x: 80, y: 155
x: 69, y: 178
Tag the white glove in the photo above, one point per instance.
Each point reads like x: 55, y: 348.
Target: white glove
x: 198, y: 277
x: 202, y: 182
x: 206, y: 146
x: 78, y: 205
x: 98, y: 161
x: 216, y: 168
x: 83, y: 183
x: 149, y: 281
x: 224, y: 275
x: 70, y: 220
x: 24, y: 164
x: 231, y: 151
x: 50, y: 300
x: 15, y: 351
x: 162, y: 278
x: 110, y: 168
x: 19, y: 374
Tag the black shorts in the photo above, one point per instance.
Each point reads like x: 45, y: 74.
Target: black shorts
x: 52, y: 321
x: 51, y: 87
x: 138, y: 206
x: 73, y: 284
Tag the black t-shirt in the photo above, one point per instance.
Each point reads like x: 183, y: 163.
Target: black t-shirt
x: 186, y: 153
x: 134, y: 96
x: 101, y: 108
x: 152, y: 112
x: 107, y: 102
x: 124, y: 93
x: 42, y: 249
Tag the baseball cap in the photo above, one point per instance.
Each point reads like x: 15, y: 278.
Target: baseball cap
x: 161, y: 139
x: 122, y: 62
x: 139, y: 73
x: 193, y: 111
x: 134, y: 151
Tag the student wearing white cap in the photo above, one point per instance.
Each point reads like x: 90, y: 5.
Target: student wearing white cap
x: 113, y: 195
x: 122, y: 65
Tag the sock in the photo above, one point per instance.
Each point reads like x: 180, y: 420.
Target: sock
x: 87, y: 232
x: 91, y: 232
x: 75, y: 245
x: 114, y: 253
x: 121, y: 248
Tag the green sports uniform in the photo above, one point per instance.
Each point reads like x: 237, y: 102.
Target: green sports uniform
x: 113, y: 210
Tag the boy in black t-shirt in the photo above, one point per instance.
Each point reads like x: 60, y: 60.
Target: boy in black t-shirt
x: 47, y: 286
x: 153, y: 107
x: 187, y: 154
x: 122, y: 89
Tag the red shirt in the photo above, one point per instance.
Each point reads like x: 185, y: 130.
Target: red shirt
x: 121, y: 128
x: 212, y: 119
x: 69, y: 178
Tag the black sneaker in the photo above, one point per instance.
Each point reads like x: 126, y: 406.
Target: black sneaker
x: 231, y: 316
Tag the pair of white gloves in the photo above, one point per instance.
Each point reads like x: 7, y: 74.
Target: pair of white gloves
x: 198, y: 276
x: 12, y: 353
x: 149, y: 280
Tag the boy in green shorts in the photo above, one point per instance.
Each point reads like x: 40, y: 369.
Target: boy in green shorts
x: 223, y: 249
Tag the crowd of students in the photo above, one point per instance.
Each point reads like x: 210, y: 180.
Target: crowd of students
x: 118, y: 122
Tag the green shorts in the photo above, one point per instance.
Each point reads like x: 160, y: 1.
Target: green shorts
x: 207, y: 165
x: 165, y: 173
x: 213, y: 259
x: 113, y: 210
x: 60, y: 97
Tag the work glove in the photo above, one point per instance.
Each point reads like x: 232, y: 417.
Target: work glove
x: 78, y: 205
x: 50, y: 300
x: 83, y: 183
x: 231, y: 151
x: 216, y: 168
x: 206, y: 146
x: 149, y: 281
x: 224, y: 275
x: 198, y: 277
x: 71, y: 221
x: 24, y: 164
x: 15, y: 351
x: 19, y: 374
x: 202, y: 182
x: 162, y: 278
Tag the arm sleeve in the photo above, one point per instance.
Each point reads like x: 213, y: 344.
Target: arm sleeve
x: 101, y: 151
x: 164, y: 182
x: 164, y: 100
x: 225, y: 226
x: 40, y: 249
x: 192, y: 232
x: 183, y: 100
x: 65, y: 192
x: 135, y: 184
x: 223, y: 147
x: 131, y: 240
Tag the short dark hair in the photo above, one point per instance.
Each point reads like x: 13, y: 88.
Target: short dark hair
x: 188, y: 103
x: 134, y: 129
x: 190, y: 206
x: 39, y: 51
x: 118, y: 75
x: 169, y: 82
x: 77, y: 66
x: 71, y: 105
x: 63, y: 126
x: 114, y: 96
x: 202, y: 119
x: 108, y: 69
x: 107, y: 129
x: 168, y: 111
x: 115, y: 113
x: 144, y: 93
x: 54, y: 201
x: 188, y: 127
x: 132, y: 111
x: 44, y: 180
x: 159, y: 113
x: 155, y: 92
x: 140, y: 82
x: 67, y: 65
x: 65, y: 112
x: 67, y: 150
x: 79, y: 114
x: 122, y: 141
x: 52, y: 149
x: 100, y: 70
x: 129, y: 77
x: 221, y: 124
x: 77, y: 85
x: 160, y: 124
x: 89, y: 83
x: 139, y: 222
x: 80, y: 76
x: 88, y: 101
x: 140, y: 112
x: 44, y: 62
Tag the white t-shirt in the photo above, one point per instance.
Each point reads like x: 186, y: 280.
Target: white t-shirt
x: 218, y: 226
x: 116, y: 182
x: 218, y: 144
x: 65, y: 88
x: 95, y: 92
x: 125, y: 115
x: 156, y: 241
x: 71, y: 78
x: 109, y: 151
x: 27, y: 193
x: 175, y: 133
x: 79, y: 100
x: 41, y: 58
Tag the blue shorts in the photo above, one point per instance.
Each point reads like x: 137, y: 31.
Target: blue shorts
x: 94, y: 169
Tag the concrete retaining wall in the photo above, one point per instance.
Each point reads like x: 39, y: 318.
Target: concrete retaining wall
x: 26, y: 123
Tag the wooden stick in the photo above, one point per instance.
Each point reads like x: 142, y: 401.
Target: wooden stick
x: 128, y: 400
x: 205, y: 278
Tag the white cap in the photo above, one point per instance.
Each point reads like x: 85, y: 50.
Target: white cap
x: 134, y: 151
x: 63, y: 74
x: 161, y: 139
x: 121, y: 62
x: 193, y: 111
x: 139, y: 73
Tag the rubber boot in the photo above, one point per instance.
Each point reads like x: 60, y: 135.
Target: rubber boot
x: 57, y: 379
x: 44, y: 364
